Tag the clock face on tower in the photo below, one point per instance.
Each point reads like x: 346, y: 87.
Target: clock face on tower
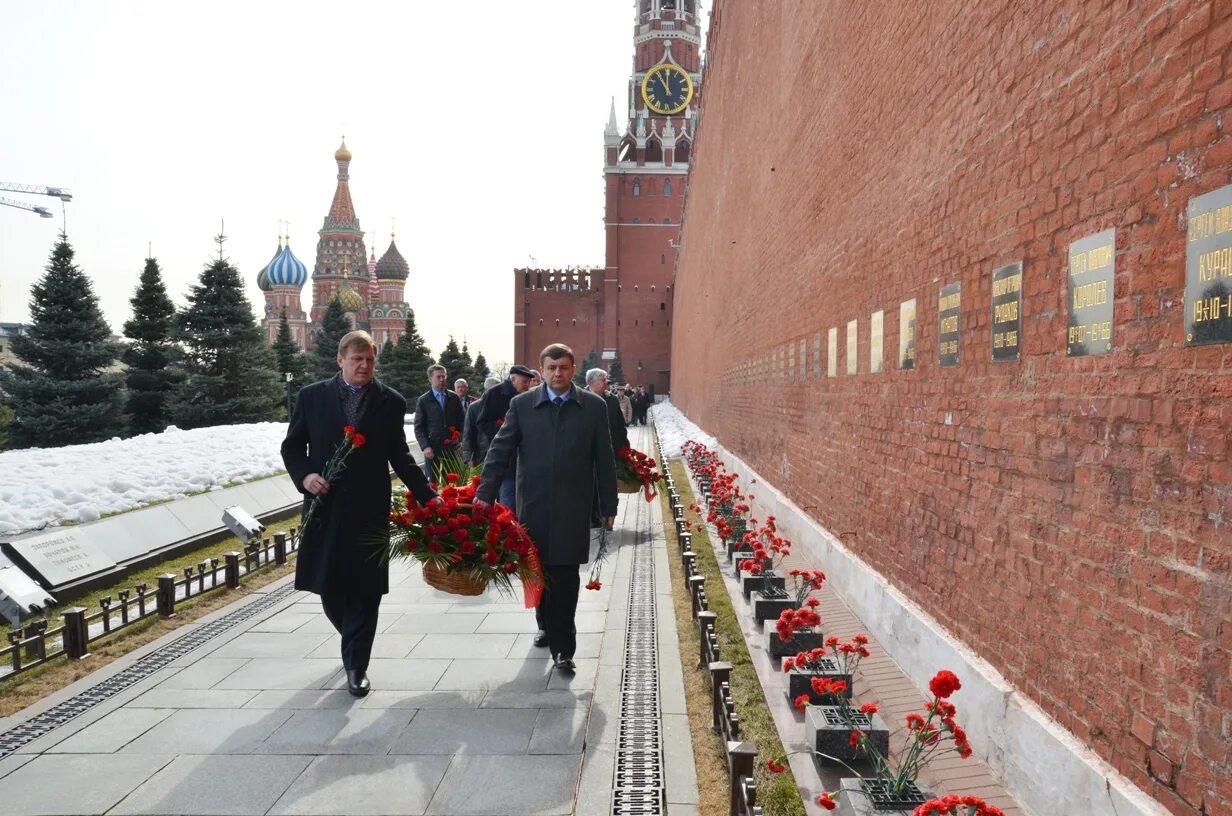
x: 667, y: 89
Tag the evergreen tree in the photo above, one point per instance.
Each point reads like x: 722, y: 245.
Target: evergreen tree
x: 230, y: 370
x: 149, y: 358
x: 469, y: 373
x: 482, y: 372
x: 590, y: 361
x: 60, y: 392
x: 456, y: 365
x: 323, y: 359
x: 406, y: 369
x: 616, y: 372
x: 289, y: 357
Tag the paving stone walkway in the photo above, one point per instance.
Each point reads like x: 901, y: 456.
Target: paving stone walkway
x: 466, y: 716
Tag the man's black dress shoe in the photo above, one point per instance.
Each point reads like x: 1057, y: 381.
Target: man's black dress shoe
x: 357, y: 683
x: 565, y: 665
x: 541, y: 639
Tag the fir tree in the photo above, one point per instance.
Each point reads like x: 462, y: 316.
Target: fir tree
x: 323, y: 359
x: 230, y: 370
x: 616, y: 373
x: 456, y: 364
x: 590, y: 361
x: 406, y: 370
x: 149, y: 358
x: 468, y: 372
x: 59, y: 392
x: 289, y: 357
x: 482, y: 372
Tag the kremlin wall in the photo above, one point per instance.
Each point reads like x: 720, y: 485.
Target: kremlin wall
x: 370, y: 291
x: 942, y: 285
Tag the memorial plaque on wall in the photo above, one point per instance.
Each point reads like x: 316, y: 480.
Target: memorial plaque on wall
x: 1092, y: 270
x: 906, y: 334
x: 949, y: 304
x: 876, y: 342
x: 1208, y: 269
x: 832, y: 352
x: 1007, y: 312
x: 853, y: 352
x: 60, y: 557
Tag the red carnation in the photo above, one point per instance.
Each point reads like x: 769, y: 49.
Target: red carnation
x: 358, y: 440
x: 944, y: 683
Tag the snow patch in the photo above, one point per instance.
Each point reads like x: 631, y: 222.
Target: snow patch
x: 675, y: 429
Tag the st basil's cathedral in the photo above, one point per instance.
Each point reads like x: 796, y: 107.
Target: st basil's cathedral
x: 370, y: 291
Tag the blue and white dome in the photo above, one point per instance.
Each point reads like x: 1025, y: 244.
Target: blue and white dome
x: 285, y: 269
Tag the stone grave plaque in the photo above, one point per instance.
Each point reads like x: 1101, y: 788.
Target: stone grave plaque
x: 1208, y: 269
x: 1007, y: 312
x: 60, y: 556
x: 853, y: 355
x: 1092, y: 270
x: 949, y: 305
x: 906, y: 335
x: 876, y: 342
x: 832, y: 352
x: 137, y: 533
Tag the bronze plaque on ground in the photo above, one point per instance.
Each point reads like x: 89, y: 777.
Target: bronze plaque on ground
x: 906, y: 334
x: 949, y: 304
x: 1208, y: 269
x: 1092, y: 271
x: 1007, y: 312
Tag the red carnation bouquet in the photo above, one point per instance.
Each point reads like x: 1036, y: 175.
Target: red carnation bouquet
x: 464, y: 548
x: 351, y: 442
x: 636, y: 468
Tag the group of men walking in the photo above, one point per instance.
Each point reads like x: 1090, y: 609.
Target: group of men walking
x: 548, y: 452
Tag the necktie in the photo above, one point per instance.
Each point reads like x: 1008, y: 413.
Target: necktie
x: 558, y: 401
x: 440, y: 397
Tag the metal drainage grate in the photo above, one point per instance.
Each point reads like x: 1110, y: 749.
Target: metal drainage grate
x: 58, y: 715
x: 638, y: 787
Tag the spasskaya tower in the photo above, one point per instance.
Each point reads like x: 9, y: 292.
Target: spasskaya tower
x: 624, y: 311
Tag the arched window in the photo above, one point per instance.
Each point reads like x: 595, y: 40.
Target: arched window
x: 558, y: 321
x: 654, y: 151
x: 662, y: 259
x: 662, y: 306
x: 667, y: 220
x: 575, y: 321
x: 667, y: 189
x: 637, y: 188
x: 682, y: 152
x: 637, y: 220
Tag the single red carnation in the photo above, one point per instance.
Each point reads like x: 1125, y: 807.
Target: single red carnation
x: 944, y: 683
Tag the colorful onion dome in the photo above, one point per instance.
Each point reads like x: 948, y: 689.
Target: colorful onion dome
x: 348, y: 298
x: 392, y: 265
x: 342, y: 154
x: 285, y: 270
x: 263, y: 282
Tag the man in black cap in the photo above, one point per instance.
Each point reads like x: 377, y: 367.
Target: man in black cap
x: 489, y: 413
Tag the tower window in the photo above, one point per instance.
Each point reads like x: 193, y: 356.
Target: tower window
x: 662, y: 259
x: 682, y: 151
x: 541, y: 321
x: 654, y: 151
x: 558, y: 321
x: 637, y: 188
x: 637, y: 220
x: 667, y: 189
x: 662, y: 306
x: 667, y: 220
x: 575, y: 321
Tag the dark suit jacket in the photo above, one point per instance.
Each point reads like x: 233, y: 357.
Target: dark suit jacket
x: 562, y: 454
x: 616, y: 423
x: 432, y: 424
x: 341, y: 552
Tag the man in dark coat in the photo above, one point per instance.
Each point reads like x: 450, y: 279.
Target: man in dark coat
x: 560, y: 434
x: 340, y: 553
x: 439, y: 418
x: 488, y: 415
x: 596, y: 381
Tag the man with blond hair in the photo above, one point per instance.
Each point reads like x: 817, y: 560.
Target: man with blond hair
x: 340, y: 551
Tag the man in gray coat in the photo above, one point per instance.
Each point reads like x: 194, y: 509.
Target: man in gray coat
x: 560, y: 434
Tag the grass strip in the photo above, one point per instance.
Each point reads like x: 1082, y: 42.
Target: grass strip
x: 776, y: 793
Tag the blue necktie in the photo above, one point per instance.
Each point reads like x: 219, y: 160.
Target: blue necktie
x: 558, y: 401
x: 440, y: 397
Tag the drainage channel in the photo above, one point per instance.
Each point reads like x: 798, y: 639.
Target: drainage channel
x: 51, y: 719
x: 638, y: 788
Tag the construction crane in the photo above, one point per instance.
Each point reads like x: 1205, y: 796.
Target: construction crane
x: 33, y: 189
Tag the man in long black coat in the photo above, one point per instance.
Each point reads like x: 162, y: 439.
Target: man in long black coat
x: 438, y: 414
x: 340, y: 553
x: 560, y: 434
x: 487, y: 415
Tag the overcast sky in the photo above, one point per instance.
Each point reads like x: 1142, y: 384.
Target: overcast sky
x: 476, y: 124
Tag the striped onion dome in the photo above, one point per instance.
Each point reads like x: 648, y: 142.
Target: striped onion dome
x: 263, y: 282
x: 348, y: 298
x: 285, y: 270
x: 392, y: 265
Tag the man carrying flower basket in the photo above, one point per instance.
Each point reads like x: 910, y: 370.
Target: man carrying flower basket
x: 349, y: 427
x: 560, y: 435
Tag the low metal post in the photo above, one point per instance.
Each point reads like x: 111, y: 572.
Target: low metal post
x: 232, y: 569
x: 36, y: 642
x: 696, y: 584
x: 15, y: 642
x: 280, y: 548
x: 686, y: 541
x: 688, y: 564
x: 76, y: 633
x: 741, y: 757
x: 124, y: 595
x: 166, y: 595
x: 720, y: 673
x: 105, y: 604
x: 705, y: 623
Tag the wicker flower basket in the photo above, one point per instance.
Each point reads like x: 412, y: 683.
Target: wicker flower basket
x: 455, y: 583
x: 627, y: 486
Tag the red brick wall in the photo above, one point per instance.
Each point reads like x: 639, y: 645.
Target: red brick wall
x: 1067, y: 518
x: 556, y: 307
